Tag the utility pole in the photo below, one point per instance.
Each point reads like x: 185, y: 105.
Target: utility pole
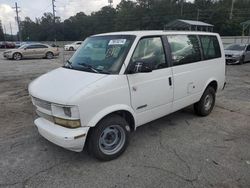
x: 182, y: 5
x: 11, y: 32
x: 231, y: 11
x: 4, y: 34
x: 198, y: 14
x: 18, y: 21
x: 54, y: 18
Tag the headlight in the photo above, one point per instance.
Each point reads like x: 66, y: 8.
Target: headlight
x: 68, y: 112
x: 67, y: 116
x: 67, y: 123
x: 236, y: 55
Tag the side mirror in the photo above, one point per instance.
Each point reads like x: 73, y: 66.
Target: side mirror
x: 140, y: 67
x: 25, y: 48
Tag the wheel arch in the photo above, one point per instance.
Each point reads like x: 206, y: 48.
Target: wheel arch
x: 123, y: 110
x: 213, y: 83
x: 17, y: 53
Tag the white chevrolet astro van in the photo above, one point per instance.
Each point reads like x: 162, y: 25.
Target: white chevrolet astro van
x: 116, y: 82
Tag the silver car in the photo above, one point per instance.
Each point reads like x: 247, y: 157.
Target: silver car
x: 34, y: 50
x: 237, y: 53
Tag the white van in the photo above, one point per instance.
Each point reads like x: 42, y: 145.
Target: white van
x: 116, y: 82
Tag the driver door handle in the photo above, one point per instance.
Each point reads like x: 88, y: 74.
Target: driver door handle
x: 170, y: 81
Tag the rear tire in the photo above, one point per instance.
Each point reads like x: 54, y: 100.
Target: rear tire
x: 17, y: 56
x: 206, y: 103
x: 49, y: 55
x: 109, y: 139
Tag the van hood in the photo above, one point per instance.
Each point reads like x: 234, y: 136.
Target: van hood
x: 60, y: 85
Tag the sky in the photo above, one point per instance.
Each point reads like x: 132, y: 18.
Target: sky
x: 36, y: 8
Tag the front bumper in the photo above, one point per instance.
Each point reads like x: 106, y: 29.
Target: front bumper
x: 7, y: 55
x: 71, y: 139
x: 231, y: 60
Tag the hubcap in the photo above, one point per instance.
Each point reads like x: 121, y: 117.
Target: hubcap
x: 49, y: 55
x: 17, y: 56
x: 208, y: 102
x: 112, y: 139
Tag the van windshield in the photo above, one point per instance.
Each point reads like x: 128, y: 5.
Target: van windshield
x: 101, y: 54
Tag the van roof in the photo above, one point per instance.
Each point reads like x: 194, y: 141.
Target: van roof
x: 156, y: 32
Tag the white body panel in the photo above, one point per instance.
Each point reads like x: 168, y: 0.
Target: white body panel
x: 97, y: 95
x: 74, y: 45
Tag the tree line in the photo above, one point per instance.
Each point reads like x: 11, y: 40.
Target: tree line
x: 138, y: 15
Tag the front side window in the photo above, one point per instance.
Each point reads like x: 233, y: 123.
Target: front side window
x: 101, y: 54
x: 210, y: 47
x: 31, y: 47
x: 151, y: 52
x: 184, y: 49
x: 248, y: 48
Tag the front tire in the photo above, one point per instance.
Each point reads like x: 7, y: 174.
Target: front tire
x: 71, y: 49
x: 206, y: 103
x: 242, y: 60
x: 17, y: 56
x: 109, y: 139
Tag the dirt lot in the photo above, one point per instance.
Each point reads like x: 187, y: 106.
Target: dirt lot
x: 179, y: 150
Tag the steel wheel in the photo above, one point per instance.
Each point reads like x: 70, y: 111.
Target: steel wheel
x: 205, y: 105
x: 109, y: 139
x: 112, y: 139
x: 208, y: 102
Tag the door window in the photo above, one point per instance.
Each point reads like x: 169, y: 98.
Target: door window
x: 248, y: 48
x: 184, y: 49
x: 31, y: 47
x: 40, y: 46
x: 151, y: 52
x: 210, y: 47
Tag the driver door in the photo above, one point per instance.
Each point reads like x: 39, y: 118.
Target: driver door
x: 151, y: 92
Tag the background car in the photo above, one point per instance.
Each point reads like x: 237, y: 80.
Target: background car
x: 237, y: 53
x: 73, y: 46
x: 7, y: 45
x: 35, y: 50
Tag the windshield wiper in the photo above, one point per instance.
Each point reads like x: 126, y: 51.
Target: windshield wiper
x: 91, y: 68
x: 68, y: 65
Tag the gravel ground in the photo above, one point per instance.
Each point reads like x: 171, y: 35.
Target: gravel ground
x: 179, y: 150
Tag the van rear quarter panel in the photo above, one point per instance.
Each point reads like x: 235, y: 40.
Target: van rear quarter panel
x: 191, y: 80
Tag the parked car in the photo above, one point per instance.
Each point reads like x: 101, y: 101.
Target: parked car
x: 116, y: 82
x: 19, y: 44
x: 73, y: 46
x: 34, y: 50
x: 237, y: 53
x: 7, y: 45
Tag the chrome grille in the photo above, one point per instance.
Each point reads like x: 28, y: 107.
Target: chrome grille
x: 42, y: 104
x: 45, y: 116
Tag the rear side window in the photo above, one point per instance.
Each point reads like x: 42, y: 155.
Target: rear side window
x: 210, y: 47
x: 184, y: 49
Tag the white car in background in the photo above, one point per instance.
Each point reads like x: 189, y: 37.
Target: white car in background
x: 73, y: 46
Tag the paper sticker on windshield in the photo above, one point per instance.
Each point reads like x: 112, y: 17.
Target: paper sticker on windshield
x: 117, y: 42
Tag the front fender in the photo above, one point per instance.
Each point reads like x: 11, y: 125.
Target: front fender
x: 106, y: 111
